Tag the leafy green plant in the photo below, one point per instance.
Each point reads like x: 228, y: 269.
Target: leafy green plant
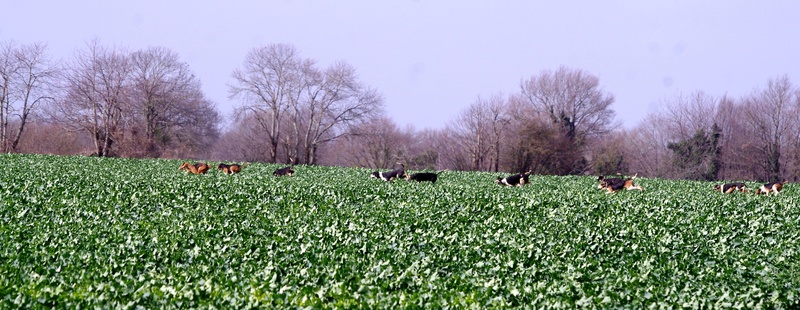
x: 85, y: 232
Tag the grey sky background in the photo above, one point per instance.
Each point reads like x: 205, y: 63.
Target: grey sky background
x: 432, y: 59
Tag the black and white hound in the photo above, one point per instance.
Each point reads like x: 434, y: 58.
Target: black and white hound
x: 389, y: 176
x: 519, y: 179
x: 285, y: 171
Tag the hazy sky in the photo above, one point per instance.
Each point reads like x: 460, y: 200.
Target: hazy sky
x: 432, y: 59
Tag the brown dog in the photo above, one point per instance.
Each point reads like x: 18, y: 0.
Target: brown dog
x: 613, y: 185
x: 196, y: 168
x: 231, y: 169
x: 774, y: 187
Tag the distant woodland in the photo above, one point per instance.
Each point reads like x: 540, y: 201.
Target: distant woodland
x: 108, y: 101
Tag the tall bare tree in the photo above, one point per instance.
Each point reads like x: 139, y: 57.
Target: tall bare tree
x: 739, y: 156
x: 338, y: 102
x: 472, y: 134
x: 645, y: 149
x: 575, y: 107
x: 451, y: 154
x: 267, y: 83
x: 297, y: 114
x: 299, y: 106
x: 771, y: 115
x: 499, y: 120
x: 97, y: 95
x: 163, y: 91
x: 479, y: 128
x: 572, y: 100
x: 684, y: 115
x: 27, y: 77
x: 690, y: 125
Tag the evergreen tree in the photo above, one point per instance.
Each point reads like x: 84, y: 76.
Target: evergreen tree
x: 698, y: 158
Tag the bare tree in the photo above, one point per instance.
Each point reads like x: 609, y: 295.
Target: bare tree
x: 337, y: 102
x: 236, y: 143
x: 479, y: 128
x: 544, y: 149
x: 377, y: 143
x: 689, y: 122
x: 164, y: 91
x: 499, y: 121
x: 192, y: 126
x: 97, y: 95
x: 645, y: 149
x: 739, y: 156
x: 572, y: 100
x: 27, y: 78
x: 424, y: 153
x: 267, y: 84
x: 771, y: 117
x: 450, y: 154
x: 574, y: 109
x: 472, y: 134
x: 685, y: 115
x: 299, y: 116
x: 299, y: 106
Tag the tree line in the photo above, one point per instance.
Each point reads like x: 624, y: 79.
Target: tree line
x: 108, y: 101
x: 103, y: 101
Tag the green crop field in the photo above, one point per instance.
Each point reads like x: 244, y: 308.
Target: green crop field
x: 78, y: 232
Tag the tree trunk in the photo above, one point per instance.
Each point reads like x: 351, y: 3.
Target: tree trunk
x: 312, y: 154
x: 774, y: 163
x: 19, y: 132
x: 98, y: 148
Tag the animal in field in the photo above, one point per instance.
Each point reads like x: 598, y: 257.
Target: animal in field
x: 603, y: 181
x: 728, y: 188
x: 230, y: 168
x: 612, y: 185
x: 423, y: 177
x: 196, y: 168
x: 285, y: 171
x: 519, y: 179
x: 389, y: 176
x: 773, y: 187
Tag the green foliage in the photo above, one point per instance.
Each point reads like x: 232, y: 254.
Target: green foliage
x: 698, y: 157
x: 544, y: 149
x: 82, y: 232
